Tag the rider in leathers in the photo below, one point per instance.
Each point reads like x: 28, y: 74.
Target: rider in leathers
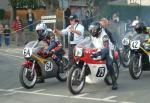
x: 54, y: 46
x: 102, y: 42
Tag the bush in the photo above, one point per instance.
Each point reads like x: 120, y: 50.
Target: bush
x: 2, y: 12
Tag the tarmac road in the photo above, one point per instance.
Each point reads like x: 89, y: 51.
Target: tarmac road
x: 53, y: 91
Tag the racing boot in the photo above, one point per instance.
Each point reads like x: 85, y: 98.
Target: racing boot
x: 114, y: 83
x: 60, y: 66
x: 40, y: 80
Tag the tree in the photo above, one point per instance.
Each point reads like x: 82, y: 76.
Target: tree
x: 22, y: 4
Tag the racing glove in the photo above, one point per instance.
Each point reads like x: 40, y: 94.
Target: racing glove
x: 95, y: 55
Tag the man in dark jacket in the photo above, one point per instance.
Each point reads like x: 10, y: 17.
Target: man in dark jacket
x: 105, y: 23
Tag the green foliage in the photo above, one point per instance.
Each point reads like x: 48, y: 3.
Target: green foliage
x: 2, y: 12
x: 19, y: 4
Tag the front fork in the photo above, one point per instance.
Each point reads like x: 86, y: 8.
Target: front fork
x: 140, y: 61
x: 33, y: 65
x: 82, y: 72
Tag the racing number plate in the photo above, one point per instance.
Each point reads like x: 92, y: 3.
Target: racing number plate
x: 135, y: 44
x: 27, y: 52
x: 100, y: 72
x: 48, y: 66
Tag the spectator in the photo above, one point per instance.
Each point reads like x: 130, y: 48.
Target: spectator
x: 30, y: 19
x: 18, y: 29
x: 7, y: 35
x: 104, y: 22
x: 1, y: 32
x: 67, y: 15
x: 128, y: 26
x: 136, y: 20
x: 75, y: 31
x: 115, y: 17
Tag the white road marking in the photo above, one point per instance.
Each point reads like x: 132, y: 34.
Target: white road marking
x: 15, y: 89
x: 111, y: 97
x: 12, y: 55
x: 107, y: 99
x: 127, y: 102
x: 39, y: 90
x: 8, y: 94
x: 81, y: 95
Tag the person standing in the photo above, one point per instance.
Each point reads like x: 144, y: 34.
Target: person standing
x: 7, y: 35
x: 67, y: 15
x: 75, y: 31
x: 1, y: 32
x: 30, y: 19
x: 18, y: 29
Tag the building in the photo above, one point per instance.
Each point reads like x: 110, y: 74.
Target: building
x: 139, y: 2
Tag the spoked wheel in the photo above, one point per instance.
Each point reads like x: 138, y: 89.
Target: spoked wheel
x: 108, y: 79
x: 134, y: 68
x: 27, y: 77
x: 75, y: 81
x: 63, y: 76
x: 126, y: 58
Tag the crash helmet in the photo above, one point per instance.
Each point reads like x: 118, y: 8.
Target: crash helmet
x: 95, y: 29
x: 139, y: 27
x: 41, y: 30
x: 50, y: 34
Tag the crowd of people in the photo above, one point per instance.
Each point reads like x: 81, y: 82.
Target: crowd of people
x: 16, y: 29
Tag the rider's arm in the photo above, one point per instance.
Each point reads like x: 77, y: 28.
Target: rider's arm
x: 52, y: 45
x: 110, y: 36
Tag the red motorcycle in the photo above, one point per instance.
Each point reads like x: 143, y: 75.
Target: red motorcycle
x: 94, y: 70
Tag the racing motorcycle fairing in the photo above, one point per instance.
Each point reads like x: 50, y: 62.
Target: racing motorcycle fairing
x: 47, y: 65
x: 98, y: 73
x: 98, y: 69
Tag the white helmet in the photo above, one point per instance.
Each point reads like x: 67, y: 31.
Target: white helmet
x: 134, y: 23
x: 41, y: 30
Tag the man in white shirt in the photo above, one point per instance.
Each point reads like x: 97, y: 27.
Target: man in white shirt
x: 75, y: 32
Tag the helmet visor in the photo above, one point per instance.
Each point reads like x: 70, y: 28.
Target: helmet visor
x: 40, y: 33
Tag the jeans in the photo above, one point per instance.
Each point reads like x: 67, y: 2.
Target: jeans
x: 30, y: 23
x: 109, y: 60
x: 7, y: 40
x: 70, y: 56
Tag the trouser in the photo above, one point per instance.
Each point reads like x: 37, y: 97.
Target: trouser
x: 70, y: 56
x: 7, y: 40
x: 30, y: 23
x: 59, y: 54
x: 109, y: 61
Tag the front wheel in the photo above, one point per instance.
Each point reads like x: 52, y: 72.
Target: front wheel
x: 63, y: 76
x: 134, y: 68
x: 126, y: 57
x: 75, y: 81
x: 108, y: 79
x: 27, y: 77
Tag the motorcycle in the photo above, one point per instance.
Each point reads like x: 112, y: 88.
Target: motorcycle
x: 126, y: 54
x: 94, y: 70
x: 37, y: 65
x: 140, y: 59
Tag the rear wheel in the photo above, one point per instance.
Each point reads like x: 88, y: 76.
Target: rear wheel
x: 134, y: 68
x: 75, y: 81
x: 62, y: 76
x: 108, y: 79
x: 27, y: 77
